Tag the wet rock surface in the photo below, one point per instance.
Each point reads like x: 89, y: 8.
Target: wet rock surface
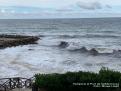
x: 93, y: 52
x: 16, y: 40
x: 63, y: 44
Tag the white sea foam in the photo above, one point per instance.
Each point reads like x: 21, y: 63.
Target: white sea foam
x: 45, y: 57
x: 48, y: 57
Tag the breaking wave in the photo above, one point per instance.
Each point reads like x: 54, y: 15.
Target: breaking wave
x: 90, y: 36
x: 92, y: 51
x: 98, y: 51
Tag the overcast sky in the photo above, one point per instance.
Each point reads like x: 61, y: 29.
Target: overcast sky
x: 59, y: 8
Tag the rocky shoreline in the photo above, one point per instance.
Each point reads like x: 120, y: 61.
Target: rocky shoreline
x: 16, y: 40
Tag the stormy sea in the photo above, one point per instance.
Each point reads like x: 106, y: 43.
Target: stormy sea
x: 65, y: 45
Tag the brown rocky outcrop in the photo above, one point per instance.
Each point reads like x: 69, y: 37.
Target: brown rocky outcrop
x: 16, y: 40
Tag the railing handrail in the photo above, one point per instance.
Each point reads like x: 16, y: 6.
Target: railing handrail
x: 15, y: 77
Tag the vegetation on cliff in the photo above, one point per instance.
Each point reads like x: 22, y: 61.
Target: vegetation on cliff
x: 105, y: 80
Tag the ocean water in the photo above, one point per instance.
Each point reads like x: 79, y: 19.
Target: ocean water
x: 100, y: 34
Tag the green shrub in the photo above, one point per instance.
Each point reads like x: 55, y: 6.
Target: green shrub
x: 64, y: 82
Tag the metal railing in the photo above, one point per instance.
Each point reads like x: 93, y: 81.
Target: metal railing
x: 7, y: 84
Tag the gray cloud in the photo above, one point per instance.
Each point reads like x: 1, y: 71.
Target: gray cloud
x: 89, y: 5
x: 108, y: 6
x: 92, y: 5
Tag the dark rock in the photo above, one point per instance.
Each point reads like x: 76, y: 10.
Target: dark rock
x: 63, y: 44
x: 117, y: 53
x: 83, y: 49
x: 30, y: 49
x: 16, y: 40
x: 93, y: 52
